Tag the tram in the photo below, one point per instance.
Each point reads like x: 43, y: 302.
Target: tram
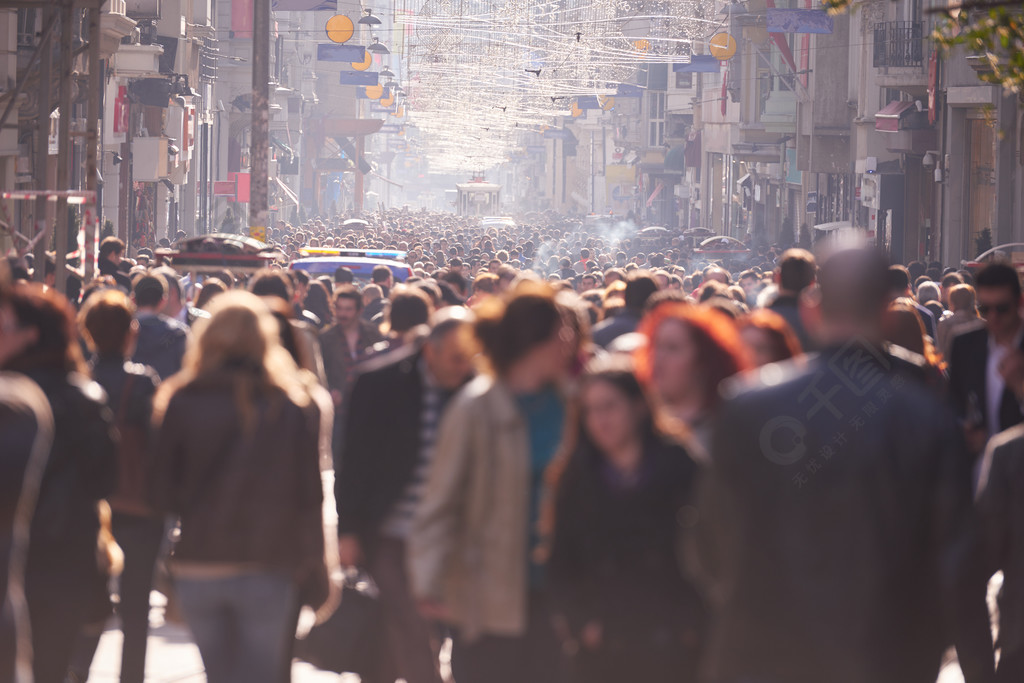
x: 478, y: 198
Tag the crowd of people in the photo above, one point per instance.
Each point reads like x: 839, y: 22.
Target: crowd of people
x: 579, y: 456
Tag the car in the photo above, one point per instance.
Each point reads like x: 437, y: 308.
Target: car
x: 219, y: 251
x: 360, y: 261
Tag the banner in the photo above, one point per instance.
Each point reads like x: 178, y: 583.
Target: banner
x: 699, y: 64
x: 336, y: 52
x: 798, y: 21
x: 304, y: 5
x: 359, y: 78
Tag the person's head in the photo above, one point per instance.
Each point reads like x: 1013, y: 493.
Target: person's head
x: 949, y: 281
x: 998, y: 292
x: 450, y: 346
x: 108, y: 324
x: 272, y: 283
x: 50, y: 319
x: 485, y: 284
x: 382, y: 276
x: 928, y: 291
x: 749, y: 281
x: 371, y: 293
x: 853, y: 293
x: 639, y: 287
x: 961, y: 298
x: 111, y: 249
x: 902, y: 326
x: 410, y: 307
x: 211, y: 288
x: 344, y: 276
x: 174, y: 298
x: 795, y: 272
x: 689, y: 352
x: 588, y: 282
x: 718, y: 274
x: 768, y: 337
x: 898, y: 278
x: 613, y: 411
x: 525, y: 334
x: 348, y: 304
x: 150, y: 293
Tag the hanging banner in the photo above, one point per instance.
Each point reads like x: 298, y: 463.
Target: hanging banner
x: 699, y: 64
x: 798, y: 21
x: 336, y: 52
x: 304, y: 5
x: 359, y: 78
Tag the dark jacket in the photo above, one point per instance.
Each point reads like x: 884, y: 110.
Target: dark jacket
x: 615, y: 551
x: 81, y: 471
x: 836, y: 527
x: 968, y: 380
x: 130, y: 388
x: 382, y: 442
x: 608, y: 330
x: 1001, y: 509
x: 161, y: 344
x: 788, y: 307
x: 245, y: 493
x: 339, y: 359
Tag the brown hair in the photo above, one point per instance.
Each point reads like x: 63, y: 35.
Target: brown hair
x: 53, y: 319
x: 784, y: 342
x: 349, y: 292
x: 510, y: 327
x: 106, y: 322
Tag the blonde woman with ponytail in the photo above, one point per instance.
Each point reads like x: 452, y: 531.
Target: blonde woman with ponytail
x: 237, y: 463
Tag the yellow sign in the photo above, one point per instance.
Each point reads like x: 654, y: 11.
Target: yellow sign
x: 642, y: 45
x: 258, y: 232
x: 607, y: 102
x: 388, y: 101
x: 374, y: 92
x: 576, y: 111
x: 339, y: 28
x: 365, y: 64
x: 400, y: 112
x: 722, y: 46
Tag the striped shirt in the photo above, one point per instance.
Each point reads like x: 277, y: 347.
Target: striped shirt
x: 399, y: 523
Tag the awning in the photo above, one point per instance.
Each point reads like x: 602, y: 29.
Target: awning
x: 836, y: 225
x: 888, y: 117
x: 292, y: 197
x: 675, y: 160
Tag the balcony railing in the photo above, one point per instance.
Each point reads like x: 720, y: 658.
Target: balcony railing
x: 899, y: 43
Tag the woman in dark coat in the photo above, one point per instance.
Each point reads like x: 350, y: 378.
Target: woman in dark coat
x: 621, y: 503
x: 65, y: 586
x: 237, y: 460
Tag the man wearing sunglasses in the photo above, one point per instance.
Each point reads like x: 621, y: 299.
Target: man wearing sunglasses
x: 986, y: 366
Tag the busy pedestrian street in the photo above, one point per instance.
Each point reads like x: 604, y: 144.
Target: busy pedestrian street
x: 511, y: 341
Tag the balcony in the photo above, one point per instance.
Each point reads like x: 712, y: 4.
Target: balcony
x: 899, y: 44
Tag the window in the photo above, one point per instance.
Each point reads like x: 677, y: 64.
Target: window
x: 27, y: 27
x: 684, y: 80
x: 656, y: 116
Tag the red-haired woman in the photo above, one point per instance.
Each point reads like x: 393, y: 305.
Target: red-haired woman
x: 768, y: 337
x: 690, y: 351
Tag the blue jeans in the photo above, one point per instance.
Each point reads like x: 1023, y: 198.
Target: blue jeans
x: 243, y: 625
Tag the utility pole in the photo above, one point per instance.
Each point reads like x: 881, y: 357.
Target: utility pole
x: 60, y: 233
x: 42, y: 146
x: 259, y: 139
x: 92, y: 139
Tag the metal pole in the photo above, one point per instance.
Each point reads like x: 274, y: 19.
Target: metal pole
x: 42, y: 147
x: 60, y: 234
x: 92, y: 139
x: 360, y: 146
x: 259, y: 140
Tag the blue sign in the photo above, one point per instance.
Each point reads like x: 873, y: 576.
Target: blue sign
x: 629, y: 90
x: 799, y: 21
x: 588, y: 102
x: 390, y: 129
x: 359, y: 78
x: 335, y: 52
x: 699, y: 64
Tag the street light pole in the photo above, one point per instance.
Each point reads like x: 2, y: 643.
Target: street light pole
x: 259, y: 139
